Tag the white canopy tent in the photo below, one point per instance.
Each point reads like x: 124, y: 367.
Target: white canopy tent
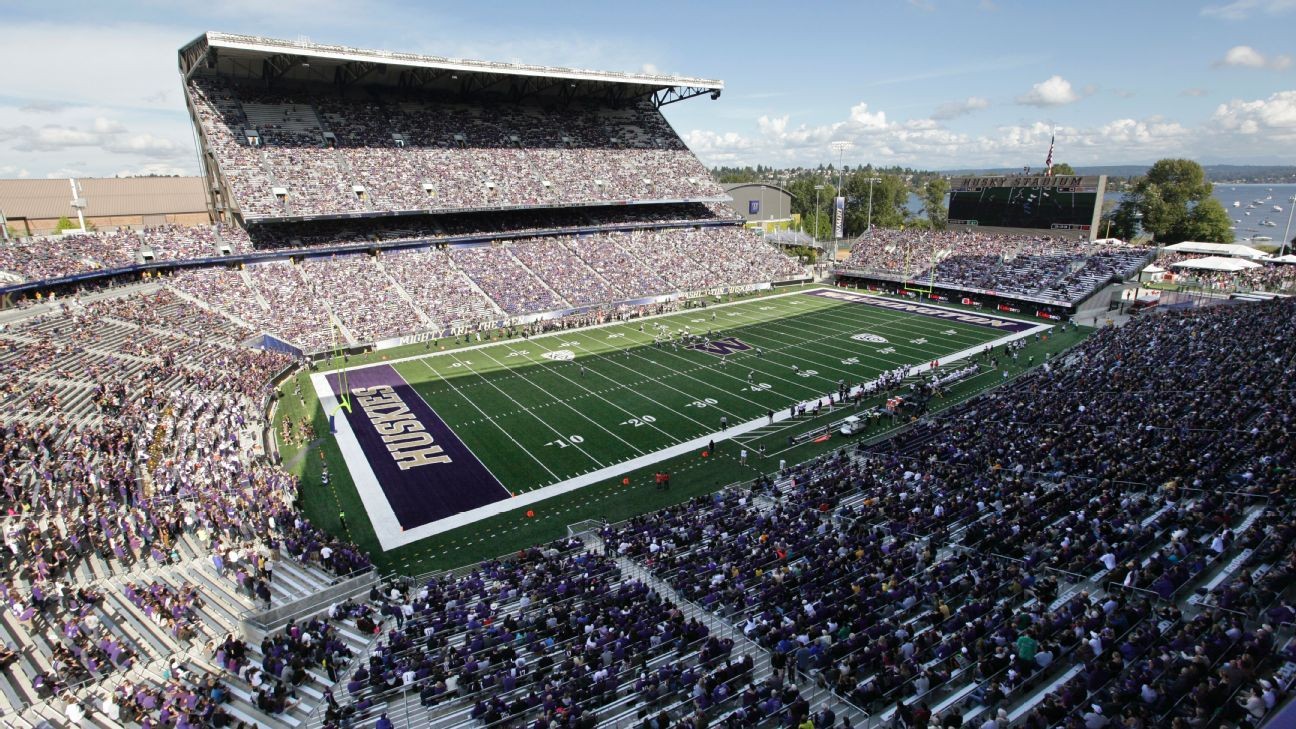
x: 1216, y: 263
x: 1289, y: 258
x: 1216, y: 249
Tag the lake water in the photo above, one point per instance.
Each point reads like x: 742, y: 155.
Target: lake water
x: 1254, y: 216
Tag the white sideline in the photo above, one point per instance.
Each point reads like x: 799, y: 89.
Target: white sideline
x: 388, y: 529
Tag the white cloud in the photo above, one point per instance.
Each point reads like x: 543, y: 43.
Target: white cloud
x: 1273, y: 117
x: 1243, y: 9
x: 954, y: 109
x: 1235, y: 131
x: 1053, y: 91
x: 1248, y: 57
x: 859, y: 114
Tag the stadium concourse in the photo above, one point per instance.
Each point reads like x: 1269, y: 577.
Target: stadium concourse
x: 1108, y: 541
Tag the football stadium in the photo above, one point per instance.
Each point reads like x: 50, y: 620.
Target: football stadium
x: 455, y: 393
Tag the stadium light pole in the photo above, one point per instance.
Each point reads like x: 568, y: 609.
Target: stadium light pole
x: 871, y: 180
x: 817, y: 189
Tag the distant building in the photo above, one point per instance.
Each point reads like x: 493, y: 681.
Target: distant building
x: 761, y: 205
x: 33, y: 207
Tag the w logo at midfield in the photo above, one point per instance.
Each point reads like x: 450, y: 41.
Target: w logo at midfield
x: 866, y: 337
x: 560, y: 355
x: 721, y: 347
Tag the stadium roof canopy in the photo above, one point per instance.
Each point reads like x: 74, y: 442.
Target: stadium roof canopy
x: 1216, y: 263
x: 271, y: 59
x: 1216, y: 249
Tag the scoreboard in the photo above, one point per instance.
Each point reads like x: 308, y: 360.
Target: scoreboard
x: 1038, y: 202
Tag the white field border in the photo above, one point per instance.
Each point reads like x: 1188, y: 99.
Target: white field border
x: 387, y: 528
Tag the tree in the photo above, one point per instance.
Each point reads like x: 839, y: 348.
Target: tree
x: 65, y: 224
x: 1167, y: 195
x: 933, y: 195
x: 890, y: 198
x: 803, y: 193
x: 1062, y: 168
x: 1208, y: 221
x: 1121, y: 222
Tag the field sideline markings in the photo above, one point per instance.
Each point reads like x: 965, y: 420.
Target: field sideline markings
x: 565, y: 332
x: 551, y: 490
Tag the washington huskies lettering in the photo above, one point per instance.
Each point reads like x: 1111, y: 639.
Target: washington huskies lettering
x: 560, y: 355
x: 866, y: 337
x: 404, y: 436
x: 721, y: 347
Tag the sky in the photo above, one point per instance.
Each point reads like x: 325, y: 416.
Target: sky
x: 91, y: 88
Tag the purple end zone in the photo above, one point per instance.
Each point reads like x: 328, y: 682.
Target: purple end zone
x: 425, y: 471
x: 963, y: 317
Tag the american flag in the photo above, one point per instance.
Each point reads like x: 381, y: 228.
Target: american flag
x: 1048, y: 161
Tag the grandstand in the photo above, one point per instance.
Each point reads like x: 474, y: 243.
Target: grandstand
x: 1034, y: 525
x: 299, y: 131
x: 1053, y: 273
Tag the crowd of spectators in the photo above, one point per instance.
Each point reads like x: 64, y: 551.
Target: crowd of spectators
x: 552, y: 636
x: 317, y: 153
x: 74, y: 253
x: 1063, y: 268
x: 1275, y: 277
x: 153, y: 453
x: 989, y: 550
x: 454, y: 289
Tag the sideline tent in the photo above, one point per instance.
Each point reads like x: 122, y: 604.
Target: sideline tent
x: 1289, y: 258
x: 1216, y: 249
x: 1216, y: 263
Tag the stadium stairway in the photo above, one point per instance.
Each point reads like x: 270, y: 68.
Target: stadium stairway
x: 495, y: 307
x: 539, y: 278
x: 401, y: 292
x: 328, y: 309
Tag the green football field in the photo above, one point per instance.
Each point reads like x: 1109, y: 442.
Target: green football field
x: 536, y: 420
x: 608, y: 406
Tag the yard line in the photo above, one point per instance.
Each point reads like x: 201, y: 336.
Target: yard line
x: 567, y: 405
x: 891, y: 322
x: 925, y: 354
x: 685, y: 373
x: 719, y: 370
x: 962, y: 332
x: 612, y: 359
x: 799, y: 342
x: 501, y: 428
x: 537, y: 418
x: 630, y: 387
